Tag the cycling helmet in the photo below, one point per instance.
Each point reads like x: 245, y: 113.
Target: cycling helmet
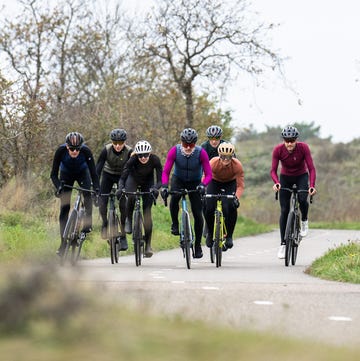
x: 189, y: 135
x: 289, y: 132
x: 214, y: 131
x: 142, y: 146
x: 74, y: 139
x: 226, y: 149
x: 118, y: 135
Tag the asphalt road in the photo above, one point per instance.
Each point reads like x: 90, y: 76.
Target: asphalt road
x: 253, y: 290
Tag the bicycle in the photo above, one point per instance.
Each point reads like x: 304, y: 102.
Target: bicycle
x: 186, y: 233
x: 113, y: 227
x: 292, y: 230
x: 219, y: 231
x: 138, y: 224
x: 73, y: 235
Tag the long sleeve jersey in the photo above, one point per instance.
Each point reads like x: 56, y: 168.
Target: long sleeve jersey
x: 226, y: 173
x: 187, y: 168
x: 293, y: 164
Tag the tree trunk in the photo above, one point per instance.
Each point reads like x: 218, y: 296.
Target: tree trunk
x: 187, y: 91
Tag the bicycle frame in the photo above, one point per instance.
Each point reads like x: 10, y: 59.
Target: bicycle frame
x: 219, y: 231
x: 73, y: 237
x: 186, y: 234
x: 292, y: 231
x: 138, y: 224
x: 113, y: 227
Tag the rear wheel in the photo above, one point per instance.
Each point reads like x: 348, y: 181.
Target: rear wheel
x: 69, y: 235
x: 187, y: 238
x: 289, y: 237
x: 218, y: 240
x: 137, y: 237
x: 113, y: 234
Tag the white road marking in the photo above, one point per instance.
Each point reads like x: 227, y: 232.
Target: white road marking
x: 179, y: 282
x: 262, y: 303
x: 210, y: 288
x: 340, y: 318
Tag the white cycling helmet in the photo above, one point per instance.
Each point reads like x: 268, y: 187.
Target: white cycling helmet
x: 142, y: 146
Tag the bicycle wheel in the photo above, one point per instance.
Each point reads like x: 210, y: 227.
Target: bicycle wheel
x: 78, y: 238
x: 187, y: 238
x: 137, y: 237
x: 296, y: 240
x: 289, y: 236
x: 212, y: 253
x: 68, y: 235
x: 218, y: 239
x: 113, y: 234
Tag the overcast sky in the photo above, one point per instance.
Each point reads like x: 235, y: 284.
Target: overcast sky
x: 321, y: 39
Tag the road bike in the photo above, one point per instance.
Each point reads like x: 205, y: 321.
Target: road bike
x: 186, y: 233
x: 73, y: 235
x: 113, y: 227
x: 138, y: 224
x: 219, y: 231
x: 293, y: 225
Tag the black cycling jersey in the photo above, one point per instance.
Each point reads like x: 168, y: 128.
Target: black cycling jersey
x: 73, y: 166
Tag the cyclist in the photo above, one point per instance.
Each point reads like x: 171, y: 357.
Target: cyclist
x: 227, y: 174
x: 139, y: 172
x: 75, y: 162
x: 190, y: 162
x: 214, y: 134
x: 297, y: 167
x: 109, y: 167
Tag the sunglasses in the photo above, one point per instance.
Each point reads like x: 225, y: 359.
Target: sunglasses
x: 188, y: 145
x: 214, y: 138
x: 143, y: 155
x: 225, y: 157
x: 118, y: 142
x: 74, y: 149
x: 289, y: 140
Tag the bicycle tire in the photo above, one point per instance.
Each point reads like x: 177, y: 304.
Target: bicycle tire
x: 187, y: 238
x: 289, y: 237
x: 113, y: 236
x: 296, y: 240
x: 68, y: 235
x: 77, y: 242
x: 137, y: 237
x: 218, y: 239
x: 212, y: 253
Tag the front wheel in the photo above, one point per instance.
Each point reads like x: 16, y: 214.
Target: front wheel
x: 218, y: 239
x: 137, y: 237
x: 69, y: 235
x: 289, y: 237
x: 187, y: 238
x: 113, y: 235
x: 296, y: 241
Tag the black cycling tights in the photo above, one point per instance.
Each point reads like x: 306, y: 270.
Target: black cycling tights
x: 147, y: 202
x: 196, y: 205
x: 229, y: 209
x: 84, y: 181
x: 302, y: 182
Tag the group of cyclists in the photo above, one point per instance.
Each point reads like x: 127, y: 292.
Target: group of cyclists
x: 208, y: 168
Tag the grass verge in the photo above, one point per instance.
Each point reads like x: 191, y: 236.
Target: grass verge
x: 339, y: 264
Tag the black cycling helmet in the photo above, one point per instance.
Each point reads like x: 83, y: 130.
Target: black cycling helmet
x: 214, y: 131
x: 118, y: 135
x: 74, y: 139
x: 290, y: 132
x: 189, y: 135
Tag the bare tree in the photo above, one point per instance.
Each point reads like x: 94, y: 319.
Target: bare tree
x: 208, y: 39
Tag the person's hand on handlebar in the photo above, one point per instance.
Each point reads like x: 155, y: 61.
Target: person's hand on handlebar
x: 276, y: 187
x: 164, y: 192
